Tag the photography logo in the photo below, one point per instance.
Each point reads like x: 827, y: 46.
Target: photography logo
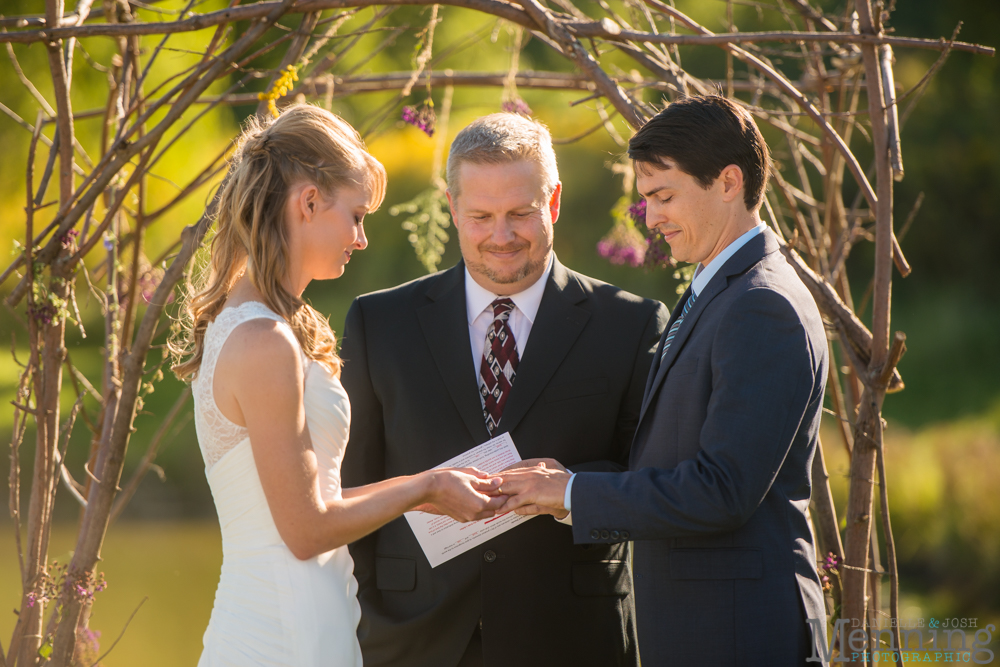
x: 954, y: 640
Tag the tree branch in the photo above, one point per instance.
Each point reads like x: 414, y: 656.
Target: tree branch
x: 147, y: 460
x: 857, y: 335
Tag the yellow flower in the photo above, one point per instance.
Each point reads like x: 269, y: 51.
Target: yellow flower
x: 281, y: 87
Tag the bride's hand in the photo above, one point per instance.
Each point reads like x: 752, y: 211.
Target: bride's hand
x: 464, y: 494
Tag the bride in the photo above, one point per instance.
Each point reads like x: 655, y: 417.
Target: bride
x: 271, y: 415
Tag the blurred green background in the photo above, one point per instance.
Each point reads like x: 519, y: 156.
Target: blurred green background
x: 943, y: 440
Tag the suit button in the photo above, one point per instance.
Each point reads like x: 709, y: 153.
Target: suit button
x: 605, y: 535
x: 595, y: 534
x: 490, y: 556
x: 615, y: 534
x: 625, y: 535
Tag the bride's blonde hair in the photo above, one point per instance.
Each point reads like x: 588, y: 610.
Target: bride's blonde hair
x: 304, y: 144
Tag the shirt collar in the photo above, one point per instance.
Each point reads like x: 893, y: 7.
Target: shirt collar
x: 478, y: 298
x: 704, y: 274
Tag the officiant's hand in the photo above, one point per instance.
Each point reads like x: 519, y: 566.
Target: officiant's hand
x: 464, y: 494
x: 539, y: 489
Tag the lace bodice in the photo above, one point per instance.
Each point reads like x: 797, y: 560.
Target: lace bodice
x: 216, y: 433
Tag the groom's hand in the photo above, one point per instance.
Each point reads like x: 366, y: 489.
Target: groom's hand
x: 532, y: 463
x: 539, y: 489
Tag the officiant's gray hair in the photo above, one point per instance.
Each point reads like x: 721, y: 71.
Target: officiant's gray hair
x: 501, y: 138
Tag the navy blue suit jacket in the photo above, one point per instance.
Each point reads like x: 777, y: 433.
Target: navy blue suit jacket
x: 719, y: 475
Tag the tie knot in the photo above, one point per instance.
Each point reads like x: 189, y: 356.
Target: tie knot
x: 502, y: 308
x: 690, y: 302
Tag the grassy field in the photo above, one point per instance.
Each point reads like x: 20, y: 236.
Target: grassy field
x: 173, y: 564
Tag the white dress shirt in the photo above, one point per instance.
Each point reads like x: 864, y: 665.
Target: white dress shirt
x: 480, y: 314
x: 477, y: 304
x: 702, y: 276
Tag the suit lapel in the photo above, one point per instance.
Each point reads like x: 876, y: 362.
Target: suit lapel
x: 745, y: 257
x: 683, y: 333
x: 556, y: 327
x: 655, y: 366
x: 445, y: 324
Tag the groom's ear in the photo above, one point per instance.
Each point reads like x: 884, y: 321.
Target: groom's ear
x: 451, y: 207
x: 732, y: 183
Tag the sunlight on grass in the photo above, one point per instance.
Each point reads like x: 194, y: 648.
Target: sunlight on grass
x: 175, y: 564
x: 945, y: 509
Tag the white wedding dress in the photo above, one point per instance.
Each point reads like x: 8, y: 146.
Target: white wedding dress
x: 271, y: 608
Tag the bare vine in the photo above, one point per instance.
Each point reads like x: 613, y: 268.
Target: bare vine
x: 270, y: 52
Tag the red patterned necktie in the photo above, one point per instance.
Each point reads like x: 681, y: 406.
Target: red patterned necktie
x: 499, y: 365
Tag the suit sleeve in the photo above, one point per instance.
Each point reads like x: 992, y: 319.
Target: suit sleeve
x: 763, y: 379
x: 628, y: 411
x: 364, y: 459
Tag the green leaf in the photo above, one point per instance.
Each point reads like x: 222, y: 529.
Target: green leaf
x: 429, y: 218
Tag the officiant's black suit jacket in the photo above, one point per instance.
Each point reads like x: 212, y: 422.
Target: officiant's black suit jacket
x: 408, y: 369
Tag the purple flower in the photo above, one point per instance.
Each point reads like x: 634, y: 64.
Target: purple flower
x: 516, y: 105
x: 67, y: 239
x: 31, y: 600
x: 423, y: 118
x: 638, y: 212
x: 42, y: 313
x: 91, y: 636
x: 657, y: 252
x: 622, y: 245
x: 831, y: 562
x: 148, y: 283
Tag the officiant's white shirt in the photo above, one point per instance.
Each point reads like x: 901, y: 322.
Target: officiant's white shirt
x: 702, y: 276
x: 477, y: 304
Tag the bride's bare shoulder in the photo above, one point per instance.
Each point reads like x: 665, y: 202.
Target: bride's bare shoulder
x: 263, y: 351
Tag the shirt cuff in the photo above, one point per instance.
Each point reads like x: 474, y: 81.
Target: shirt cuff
x: 568, y: 497
x: 567, y: 501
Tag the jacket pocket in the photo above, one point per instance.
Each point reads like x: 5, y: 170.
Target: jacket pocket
x: 395, y: 574
x: 715, y: 564
x: 602, y: 578
x: 683, y: 367
x: 579, y: 389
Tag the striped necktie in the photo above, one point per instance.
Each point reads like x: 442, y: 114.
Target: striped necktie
x: 677, y: 325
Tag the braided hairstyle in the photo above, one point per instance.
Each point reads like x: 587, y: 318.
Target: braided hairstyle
x: 304, y: 144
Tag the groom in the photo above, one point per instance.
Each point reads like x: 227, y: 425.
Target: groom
x: 719, y: 482
x: 509, y: 340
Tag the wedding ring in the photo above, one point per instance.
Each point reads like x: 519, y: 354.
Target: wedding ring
x: 500, y: 490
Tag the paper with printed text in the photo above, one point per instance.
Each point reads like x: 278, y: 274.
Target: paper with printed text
x: 441, y: 537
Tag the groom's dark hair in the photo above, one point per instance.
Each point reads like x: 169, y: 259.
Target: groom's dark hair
x: 703, y: 135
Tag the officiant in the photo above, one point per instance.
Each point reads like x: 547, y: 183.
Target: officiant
x: 508, y: 340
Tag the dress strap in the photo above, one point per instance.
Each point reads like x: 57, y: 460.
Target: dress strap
x: 225, y: 323
x: 216, y: 433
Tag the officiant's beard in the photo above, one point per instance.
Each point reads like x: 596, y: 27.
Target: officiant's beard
x: 530, y: 267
